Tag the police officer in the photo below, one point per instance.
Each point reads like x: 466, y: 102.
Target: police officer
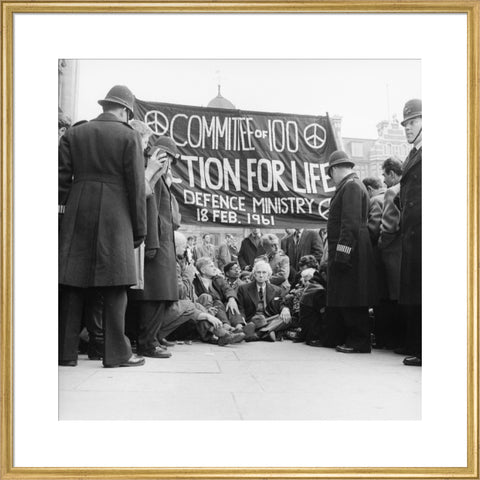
x: 411, y: 232
x: 102, y: 195
x: 351, y: 272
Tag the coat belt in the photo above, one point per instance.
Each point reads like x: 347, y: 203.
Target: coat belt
x: 99, y: 177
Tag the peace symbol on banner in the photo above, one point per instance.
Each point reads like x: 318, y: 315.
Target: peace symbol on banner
x: 157, y: 121
x: 315, y: 135
x: 324, y: 208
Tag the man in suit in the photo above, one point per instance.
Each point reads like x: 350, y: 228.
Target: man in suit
x: 390, y: 247
x: 300, y: 243
x: 376, y: 192
x: 351, y: 272
x: 259, y: 300
x: 102, y: 199
x: 411, y: 232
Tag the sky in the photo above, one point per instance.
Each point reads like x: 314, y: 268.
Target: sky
x: 362, y: 92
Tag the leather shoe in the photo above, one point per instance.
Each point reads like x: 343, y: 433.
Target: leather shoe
x: 166, y: 343
x: 345, y: 349
x: 412, y: 361
x: 315, y: 343
x: 230, y: 338
x: 67, y: 363
x: 159, y: 352
x: 252, y: 338
x: 133, y: 361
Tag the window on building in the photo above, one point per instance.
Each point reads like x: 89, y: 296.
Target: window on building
x: 357, y: 149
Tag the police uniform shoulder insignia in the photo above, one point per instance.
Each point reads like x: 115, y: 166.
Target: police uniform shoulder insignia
x: 344, y: 249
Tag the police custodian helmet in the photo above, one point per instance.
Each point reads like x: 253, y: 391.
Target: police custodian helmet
x: 121, y: 95
x: 412, y: 109
x: 337, y: 158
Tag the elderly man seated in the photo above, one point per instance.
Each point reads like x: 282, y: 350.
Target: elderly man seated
x: 261, y: 302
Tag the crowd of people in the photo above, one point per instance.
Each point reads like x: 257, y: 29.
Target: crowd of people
x: 131, y: 282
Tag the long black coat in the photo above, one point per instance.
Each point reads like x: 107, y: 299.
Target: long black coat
x: 102, y: 186
x: 351, y: 270
x: 160, y: 271
x: 411, y: 230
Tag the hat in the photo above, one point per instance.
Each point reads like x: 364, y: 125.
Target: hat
x: 412, y: 109
x: 338, y: 158
x: 259, y: 321
x: 167, y: 144
x: 228, y: 266
x: 121, y: 95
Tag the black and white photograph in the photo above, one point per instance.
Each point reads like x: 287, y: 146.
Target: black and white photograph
x: 228, y: 263
x: 240, y: 239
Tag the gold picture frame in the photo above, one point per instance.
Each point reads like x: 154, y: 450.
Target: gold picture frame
x: 469, y: 7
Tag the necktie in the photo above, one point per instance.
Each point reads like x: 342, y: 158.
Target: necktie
x: 260, y: 294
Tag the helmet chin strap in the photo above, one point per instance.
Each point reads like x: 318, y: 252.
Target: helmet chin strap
x: 419, y: 132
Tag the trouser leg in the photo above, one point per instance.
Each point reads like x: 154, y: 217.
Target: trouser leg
x: 93, y: 317
x: 335, y: 331
x: 414, y: 330
x: 71, y: 305
x: 117, y: 347
x: 357, y: 322
x: 151, y: 317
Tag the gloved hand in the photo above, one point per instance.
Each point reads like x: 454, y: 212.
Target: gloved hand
x: 150, y: 253
x: 137, y: 241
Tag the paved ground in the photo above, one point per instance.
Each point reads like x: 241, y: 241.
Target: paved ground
x: 248, y: 381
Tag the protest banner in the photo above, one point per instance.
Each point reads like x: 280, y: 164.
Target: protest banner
x: 245, y: 168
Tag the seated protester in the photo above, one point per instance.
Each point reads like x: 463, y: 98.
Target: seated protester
x: 293, y: 298
x: 261, y: 302
x: 209, y: 328
x: 232, y: 275
x: 307, y: 261
x: 214, y: 291
x: 279, y: 262
x: 312, y: 312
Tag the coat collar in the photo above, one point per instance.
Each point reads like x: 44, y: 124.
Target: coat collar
x: 107, y: 117
x: 349, y: 177
x: 411, y: 161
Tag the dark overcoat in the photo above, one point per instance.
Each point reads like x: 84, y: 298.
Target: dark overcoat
x: 102, y: 188
x: 247, y: 299
x: 351, y: 269
x: 249, y: 251
x: 411, y: 230
x: 160, y: 272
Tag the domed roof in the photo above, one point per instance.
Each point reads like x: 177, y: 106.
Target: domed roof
x: 220, y: 102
